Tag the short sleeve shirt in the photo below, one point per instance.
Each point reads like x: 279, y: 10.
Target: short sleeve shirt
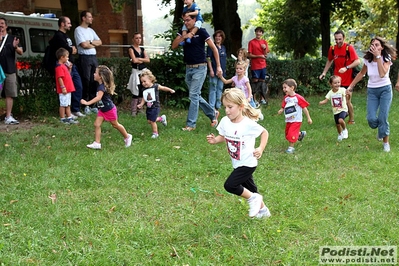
x: 338, y: 100
x: 194, y: 52
x: 293, y: 106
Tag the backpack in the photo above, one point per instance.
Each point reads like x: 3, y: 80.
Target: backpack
x: 49, y: 60
x: 355, y: 70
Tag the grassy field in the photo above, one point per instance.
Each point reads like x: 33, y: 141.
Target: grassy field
x: 162, y: 201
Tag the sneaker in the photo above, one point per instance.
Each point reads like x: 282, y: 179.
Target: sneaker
x: 78, y: 114
x: 94, y: 110
x: 255, y: 201
x: 65, y: 121
x: 387, y: 148
x: 94, y: 146
x: 378, y: 138
x: 87, y: 110
x: 261, y: 117
x: 340, y: 138
x: 263, y: 213
x: 301, y: 135
x: 128, y: 140
x: 72, y: 121
x: 163, y: 121
x: 188, y: 128
x: 263, y: 102
x: 11, y: 121
x: 217, y: 113
x: 344, y: 133
x: 290, y: 150
x: 74, y: 117
x: 155, y: 135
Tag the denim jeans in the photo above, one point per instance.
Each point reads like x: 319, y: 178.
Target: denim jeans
x: 379, y: 100
x: 215, y: 92
x: 195, y: 78
x: 77, y: 95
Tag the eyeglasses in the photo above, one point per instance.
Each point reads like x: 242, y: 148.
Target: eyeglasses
x: 187, y: 20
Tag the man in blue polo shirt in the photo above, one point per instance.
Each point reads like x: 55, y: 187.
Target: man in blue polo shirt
x: 196, y: 70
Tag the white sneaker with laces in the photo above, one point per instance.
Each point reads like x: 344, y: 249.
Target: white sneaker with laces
x: 94, y: 146
x: 344, y: 133
x: 154, y: 135
x: 78, y: 114
x: 387, y: 148
x: 128, y: 140
x: 255, y: 201
x: 263, y: 213
x: 11, y: 121
x: 340, y: 138
x: 163, y: 121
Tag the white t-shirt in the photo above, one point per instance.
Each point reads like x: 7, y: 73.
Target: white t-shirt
x: 375, y: 81
x: 85, y: 34
x: 293, y: 107
x: 240, y: 140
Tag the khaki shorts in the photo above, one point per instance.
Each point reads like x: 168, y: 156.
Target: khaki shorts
x: 10, y: 85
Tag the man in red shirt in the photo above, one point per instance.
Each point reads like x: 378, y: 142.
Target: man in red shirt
x: 345, y: 59
x: 257, y: 53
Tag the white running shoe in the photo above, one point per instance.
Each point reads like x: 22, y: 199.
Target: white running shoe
x: 94, y: 146
x: 128, y: 140
x: 255, y: 201
x: 163, y: 121
x: 387, y: 148
x: 344, y: 133
x: 11, y: 121
x: 340, y: 138
x: 263, y: 213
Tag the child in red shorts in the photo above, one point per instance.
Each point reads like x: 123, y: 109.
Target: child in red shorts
x: 293, y: 105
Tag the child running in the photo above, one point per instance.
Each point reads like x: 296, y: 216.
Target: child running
x: 239, y: 130
x: 106, y: 109
x: 151, y: 98
x: 293, y: 104
x: 338, y: 102
x: 241, y: 81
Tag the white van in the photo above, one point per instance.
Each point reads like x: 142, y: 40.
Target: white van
x: 34, y: 31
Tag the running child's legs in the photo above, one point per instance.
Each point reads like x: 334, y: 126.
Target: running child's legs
x: 119, y: 127
x: 97, y: 128
x: 292, y: 132
x: 154, y: 125
x: 340, y: 121
x: 241, y: 182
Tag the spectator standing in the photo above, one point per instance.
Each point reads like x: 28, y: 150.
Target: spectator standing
x: 62, y: 40
x: 215, y: 83
x: 257, y: 53
x: 138, y: 58
x: 9, y: 47
x: 87, y: 40
x: 196, y: 69
x: 345, y: 59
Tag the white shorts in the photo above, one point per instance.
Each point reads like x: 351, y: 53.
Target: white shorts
x: 65, y: 99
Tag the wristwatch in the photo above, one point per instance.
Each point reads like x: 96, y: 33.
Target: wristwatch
x: 91, y: 42
x: 378, y: 56
x: 347, y: 67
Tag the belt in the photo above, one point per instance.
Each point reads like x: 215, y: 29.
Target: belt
x: 196, y: 65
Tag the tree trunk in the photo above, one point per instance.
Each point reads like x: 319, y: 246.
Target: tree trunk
x: 325, y: 27
x: 225, y: 17
x: 177, y: 19
x: 69, y: 8
x: 397, y: 19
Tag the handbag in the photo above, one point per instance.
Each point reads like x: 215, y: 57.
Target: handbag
x: 2, y: 75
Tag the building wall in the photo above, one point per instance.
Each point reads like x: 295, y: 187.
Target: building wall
x: 110, y: 26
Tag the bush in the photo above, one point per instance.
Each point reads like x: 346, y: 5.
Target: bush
x: 38, y: 96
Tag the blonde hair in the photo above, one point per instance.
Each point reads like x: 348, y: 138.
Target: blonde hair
x: 291, y: 83
x: 108, y: 78
x: 236, y: 96
x: 148, y: 73
x: 241, y: 63
x: 244, y: 52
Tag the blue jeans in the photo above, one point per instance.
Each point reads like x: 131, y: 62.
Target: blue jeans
x: 77, y: 95
x: 195, y: 78
x: 379, y: 98
x: 215, y: 92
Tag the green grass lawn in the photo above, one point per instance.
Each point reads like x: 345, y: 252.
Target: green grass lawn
x: 162, y: 201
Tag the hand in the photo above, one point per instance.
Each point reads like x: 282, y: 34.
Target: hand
x: 258, y: 153
x: 84, y: 102
x: 263, y: 46
x: 310, y: 121
x: 211, y: 138
x: 397, y: 86
x: 322, y: 76
x: 280, y: 111
x: 342, y: 70
x: 172, y: 91
x: 219, y: 71
x: 211, y: 73
x: 139, y: 106
x: 349, y: 91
